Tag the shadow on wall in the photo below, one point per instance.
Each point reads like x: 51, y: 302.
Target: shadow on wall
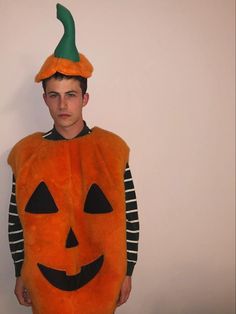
x: 27, y: 110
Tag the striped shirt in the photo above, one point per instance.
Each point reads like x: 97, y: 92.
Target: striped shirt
x: 15, y: 231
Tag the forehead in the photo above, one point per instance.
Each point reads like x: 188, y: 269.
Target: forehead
x: 62, y: 85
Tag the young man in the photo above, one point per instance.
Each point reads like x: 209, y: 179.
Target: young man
x: 73, y: 221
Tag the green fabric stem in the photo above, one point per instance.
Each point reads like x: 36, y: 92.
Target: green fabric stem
x: 66, y: 48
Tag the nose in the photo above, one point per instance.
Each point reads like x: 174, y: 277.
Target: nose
x: 71, y: 240
x: 62, y: 103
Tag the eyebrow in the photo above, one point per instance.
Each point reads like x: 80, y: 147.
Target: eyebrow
x: 72, y: 91
x: 67, y: 92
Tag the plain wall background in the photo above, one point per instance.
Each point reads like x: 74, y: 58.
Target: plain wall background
x: 164, y: 80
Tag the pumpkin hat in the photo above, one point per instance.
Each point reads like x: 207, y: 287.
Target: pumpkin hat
x: 66, y: 58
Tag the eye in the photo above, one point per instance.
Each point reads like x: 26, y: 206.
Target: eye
x: 96, y: 201
x: 71, y: 94
x: 41, y: 201
x: 52, y: 95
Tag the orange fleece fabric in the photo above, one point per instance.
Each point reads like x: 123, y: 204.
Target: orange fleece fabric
x: 67, y: 67
x: 69, y: 168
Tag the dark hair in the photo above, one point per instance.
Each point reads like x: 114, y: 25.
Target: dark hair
x: 59, y: 76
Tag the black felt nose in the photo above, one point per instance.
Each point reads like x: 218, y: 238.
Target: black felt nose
x: 71, y: 240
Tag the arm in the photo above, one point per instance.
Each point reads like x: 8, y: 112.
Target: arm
x: 132, y: 234
x: 16, y: 242
x: 15, y: 233
x: 132, y: 222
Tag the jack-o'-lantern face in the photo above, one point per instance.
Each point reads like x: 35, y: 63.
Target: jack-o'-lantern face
x: 42, y: 202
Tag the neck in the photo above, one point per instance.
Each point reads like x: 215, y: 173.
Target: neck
x: 71, y: 131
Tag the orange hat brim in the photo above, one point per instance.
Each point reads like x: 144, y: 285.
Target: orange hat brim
x: 67, y: 67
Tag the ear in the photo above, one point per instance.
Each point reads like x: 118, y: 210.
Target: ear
x: 45, y: 98
x: 85, y: 99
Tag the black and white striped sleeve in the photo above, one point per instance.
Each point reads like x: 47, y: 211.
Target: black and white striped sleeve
x: 15, y: 233
x: 132, y: 221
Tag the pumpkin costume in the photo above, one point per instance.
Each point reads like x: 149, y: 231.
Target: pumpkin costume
x: 73, y: 205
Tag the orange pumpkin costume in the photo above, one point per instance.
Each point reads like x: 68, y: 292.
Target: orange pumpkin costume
x: 79, y: 261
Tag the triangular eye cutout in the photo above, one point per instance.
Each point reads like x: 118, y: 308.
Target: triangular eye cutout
x: 41, y: 201
x: 96, y: 201
x: 71, y: 240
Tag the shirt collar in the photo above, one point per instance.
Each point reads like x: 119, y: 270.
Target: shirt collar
x: 55, y: 136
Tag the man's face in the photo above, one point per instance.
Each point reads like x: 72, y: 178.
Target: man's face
x: 65, y: 102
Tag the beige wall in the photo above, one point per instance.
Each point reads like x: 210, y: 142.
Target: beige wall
x: 164, y: 80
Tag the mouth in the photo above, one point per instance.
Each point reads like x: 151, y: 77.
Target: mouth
x: 60, y: 280
x: 64, y: 115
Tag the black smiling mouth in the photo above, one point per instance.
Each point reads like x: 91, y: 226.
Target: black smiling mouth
x: 60, y: 280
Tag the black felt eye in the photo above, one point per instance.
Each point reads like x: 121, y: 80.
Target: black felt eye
x: 41, y: 201
x: 96, y: 201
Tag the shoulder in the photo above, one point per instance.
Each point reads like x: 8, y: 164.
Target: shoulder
x: 111, y: 146
x: 108, y: 137
x: 25, y: 144
x: 29, y: 139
